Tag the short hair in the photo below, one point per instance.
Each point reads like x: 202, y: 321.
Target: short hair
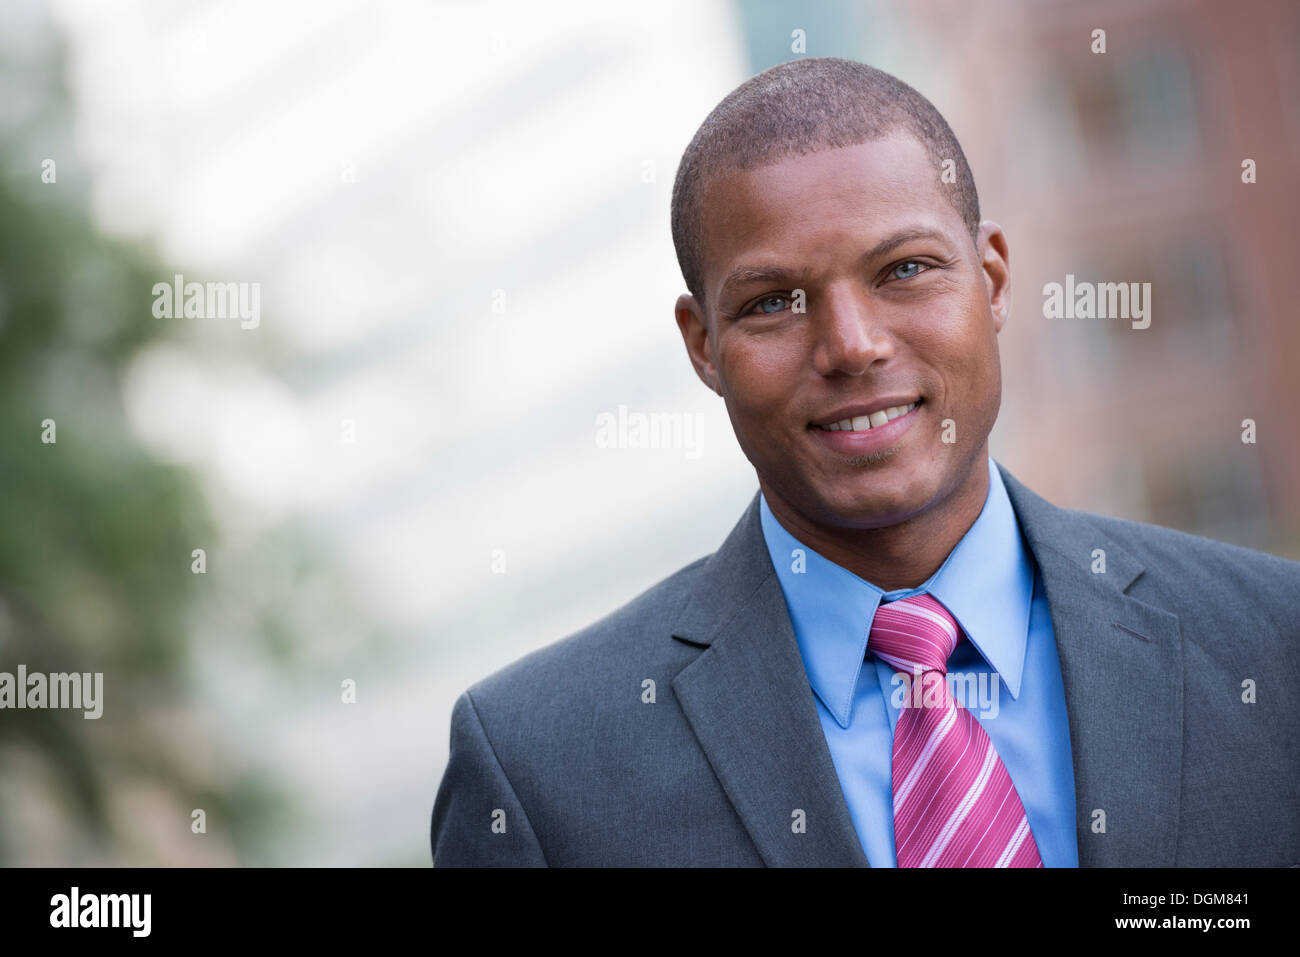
x: 805, y: 106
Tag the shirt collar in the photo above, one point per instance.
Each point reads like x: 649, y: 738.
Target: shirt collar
x: 987, y: 582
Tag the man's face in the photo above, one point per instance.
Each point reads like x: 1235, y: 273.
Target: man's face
x: 901, y: 308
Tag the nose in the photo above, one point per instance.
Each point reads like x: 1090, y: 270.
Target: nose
x: 849, y: 335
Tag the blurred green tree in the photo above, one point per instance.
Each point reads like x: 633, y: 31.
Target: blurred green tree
x: 95, y: 541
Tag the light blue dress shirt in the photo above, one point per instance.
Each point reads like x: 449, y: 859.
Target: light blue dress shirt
x: 1010, y: 675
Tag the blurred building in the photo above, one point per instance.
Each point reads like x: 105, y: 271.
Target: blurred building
x: 1146, y: 184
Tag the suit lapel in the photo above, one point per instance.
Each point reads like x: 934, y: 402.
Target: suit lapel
x: 748, y: 700
x: 1121, y: 665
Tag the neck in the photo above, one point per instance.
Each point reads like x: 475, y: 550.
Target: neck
x: 897, y: 556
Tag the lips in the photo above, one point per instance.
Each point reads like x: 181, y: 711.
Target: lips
x: 864, y: 417
x: 861, y: 444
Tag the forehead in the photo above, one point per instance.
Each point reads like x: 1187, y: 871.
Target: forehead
x: 804, y: 206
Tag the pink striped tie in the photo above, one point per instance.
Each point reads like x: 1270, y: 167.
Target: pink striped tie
x: 954, y: 803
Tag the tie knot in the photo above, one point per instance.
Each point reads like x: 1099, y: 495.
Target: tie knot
x: 913, y: 633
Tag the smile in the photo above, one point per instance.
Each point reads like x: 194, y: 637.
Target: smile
x: 873, y: 420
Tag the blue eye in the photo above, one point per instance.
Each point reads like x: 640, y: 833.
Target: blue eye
x: 761, y: 305
x: 912, y: 268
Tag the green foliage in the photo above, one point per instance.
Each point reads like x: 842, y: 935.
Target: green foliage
x: 95, y: 543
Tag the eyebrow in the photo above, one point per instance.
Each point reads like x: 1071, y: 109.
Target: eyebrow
x: 744, y: 275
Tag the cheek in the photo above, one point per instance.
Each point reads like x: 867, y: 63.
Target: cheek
x: 963, y: 348
x: 759, y: 376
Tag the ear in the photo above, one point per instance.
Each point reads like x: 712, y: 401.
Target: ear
x: 693, y: 323
x: 995, y: 260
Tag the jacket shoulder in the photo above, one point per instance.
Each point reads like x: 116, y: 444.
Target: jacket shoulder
x: 1176, y: 556
x: 1237, y: 605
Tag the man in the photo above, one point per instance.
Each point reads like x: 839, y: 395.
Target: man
x: 901, y: 656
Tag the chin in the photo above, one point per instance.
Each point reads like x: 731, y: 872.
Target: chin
x: 878, y: 503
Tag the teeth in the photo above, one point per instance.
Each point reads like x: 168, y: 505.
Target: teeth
x: 863, y: 423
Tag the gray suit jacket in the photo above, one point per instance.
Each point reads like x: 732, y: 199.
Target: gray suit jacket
x: 563, y: 759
